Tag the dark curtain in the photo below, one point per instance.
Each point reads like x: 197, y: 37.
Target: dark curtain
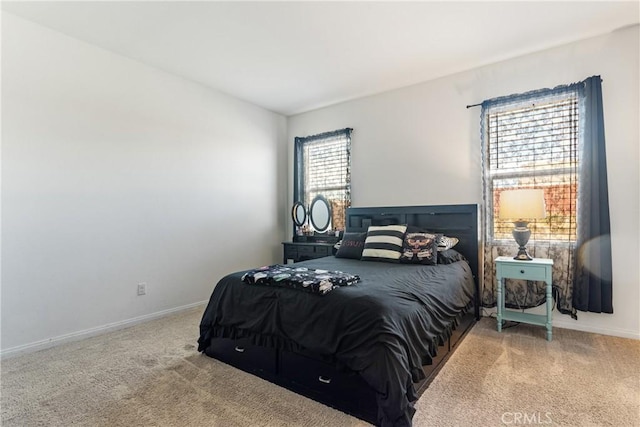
x: 593, y: 276
x: 298, y: 175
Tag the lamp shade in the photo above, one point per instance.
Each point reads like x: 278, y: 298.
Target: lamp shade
x: 522, y: 204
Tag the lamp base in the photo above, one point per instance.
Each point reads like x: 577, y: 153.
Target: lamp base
x: 523, y: 255
x: 521, y: 235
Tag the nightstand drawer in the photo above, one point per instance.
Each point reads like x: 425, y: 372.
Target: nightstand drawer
x: 532, y: 272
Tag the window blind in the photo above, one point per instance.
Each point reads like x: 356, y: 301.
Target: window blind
x: 535, y: 145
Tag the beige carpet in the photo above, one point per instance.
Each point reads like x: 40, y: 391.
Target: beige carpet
x: 152, y: 375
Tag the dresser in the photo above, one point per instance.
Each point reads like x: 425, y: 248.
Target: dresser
x: 302, y: 251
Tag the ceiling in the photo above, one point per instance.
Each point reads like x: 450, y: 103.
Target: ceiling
x: 291, y: 57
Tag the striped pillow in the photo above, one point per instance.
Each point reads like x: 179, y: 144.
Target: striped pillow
x: 384, y: 243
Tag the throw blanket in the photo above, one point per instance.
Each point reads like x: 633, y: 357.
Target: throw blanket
x: 302, y: 278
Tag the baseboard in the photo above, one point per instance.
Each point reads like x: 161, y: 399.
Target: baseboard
x: 575, y: 325
x: 87, y: 333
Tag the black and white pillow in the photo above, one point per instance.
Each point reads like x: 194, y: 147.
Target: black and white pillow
x: 351, y: 245
x: 384, y: 243
x: 419, y: 248
x: 445, y: 242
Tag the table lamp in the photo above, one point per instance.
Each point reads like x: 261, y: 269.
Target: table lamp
x: 521, y: 206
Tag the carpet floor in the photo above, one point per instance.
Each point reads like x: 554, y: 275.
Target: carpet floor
x: 151, y: 375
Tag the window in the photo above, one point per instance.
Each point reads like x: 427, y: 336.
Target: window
x: 534, y: 144
x: 550, y: 139
x: 531, y: 141
x: 322, y: 167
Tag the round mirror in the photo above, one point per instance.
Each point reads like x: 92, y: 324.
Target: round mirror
x: 299, y: 214
x: 320, y: 213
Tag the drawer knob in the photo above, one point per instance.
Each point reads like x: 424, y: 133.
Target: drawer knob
x: 521, y: 271
x: 324, y: 380
x: 240, y: 349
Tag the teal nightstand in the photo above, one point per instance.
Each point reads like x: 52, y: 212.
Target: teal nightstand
x: 538, y: 269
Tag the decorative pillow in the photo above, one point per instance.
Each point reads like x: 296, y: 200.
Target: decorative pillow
x: 449, y: 256
x: 384, y: 243
x: 445, y: 242
x: 351, y: 245
x: 419, y: 248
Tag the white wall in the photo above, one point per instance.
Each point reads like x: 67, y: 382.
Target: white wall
x: 420, y: 145
x: 115, y: 173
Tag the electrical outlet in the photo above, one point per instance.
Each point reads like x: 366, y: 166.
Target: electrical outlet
x: 142, y: 288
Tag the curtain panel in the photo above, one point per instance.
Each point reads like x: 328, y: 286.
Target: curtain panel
x: 593, y: 282
x: 575, y: 219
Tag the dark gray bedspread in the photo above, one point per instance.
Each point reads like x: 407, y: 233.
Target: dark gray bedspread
x: 385, y: 327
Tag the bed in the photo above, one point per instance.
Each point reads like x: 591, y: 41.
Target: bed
x: 368, y: 349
